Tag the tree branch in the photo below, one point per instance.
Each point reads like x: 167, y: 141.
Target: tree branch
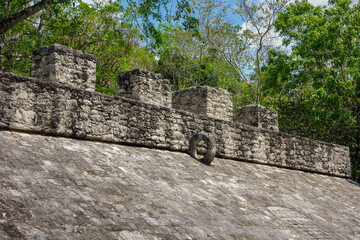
x: 234, y: 65
x: 12, y: 38
x: 11, y: 21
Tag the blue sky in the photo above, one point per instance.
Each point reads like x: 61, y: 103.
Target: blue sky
x: 232, y: 18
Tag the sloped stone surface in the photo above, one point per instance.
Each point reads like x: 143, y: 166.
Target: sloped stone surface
x: 60, y: 188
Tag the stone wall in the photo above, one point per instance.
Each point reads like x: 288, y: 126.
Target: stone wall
x: 145, y: 86
x: 258, y: 116
x: 65, y: 65
x: 36, y: 105
x: 205, y: 101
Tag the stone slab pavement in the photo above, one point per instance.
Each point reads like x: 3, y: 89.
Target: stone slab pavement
x: 61, y: 188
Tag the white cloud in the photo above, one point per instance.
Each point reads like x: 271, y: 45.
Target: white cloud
x: 315, y: 2
x: 88, y: 1
x: 96, y: 1
x: 323, y: 2
x: 318, y: 2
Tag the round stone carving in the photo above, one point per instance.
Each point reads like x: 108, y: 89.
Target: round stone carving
x: 210, y: 148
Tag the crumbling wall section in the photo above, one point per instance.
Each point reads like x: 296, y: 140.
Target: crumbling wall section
x: 65, y: 65
x: 51, y: 108
x: 205, y: 101
x: 258, y: 116
x: 145, y: 86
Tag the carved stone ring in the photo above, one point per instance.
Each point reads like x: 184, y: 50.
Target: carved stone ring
x: 210, y: 148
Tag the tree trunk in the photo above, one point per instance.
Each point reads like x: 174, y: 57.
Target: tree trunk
x: 199, y: 72
x: 11, y: 21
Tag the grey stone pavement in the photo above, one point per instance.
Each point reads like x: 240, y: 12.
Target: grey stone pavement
x: 61, y: 188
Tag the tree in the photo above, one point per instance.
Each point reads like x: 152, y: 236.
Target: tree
x: 100, y: 29
x: 107, y: 29
x: 246, y: 49
x: 181, y: 62
x: 185, y: 43
x: 176, y: 59
x: 18, y: 34
x: 209, y: 15
x: 104, y: 29
x: 215, y: 45
x: 148, y: 13
x: 321, y: 74
x: 13, y: 12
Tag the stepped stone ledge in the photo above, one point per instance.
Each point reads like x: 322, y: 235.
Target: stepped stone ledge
x: 61, y: 101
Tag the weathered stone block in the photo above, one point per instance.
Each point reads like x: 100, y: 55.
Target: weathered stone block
x: 145, y: 86
x: 206, y: 101
x: 65, y: 65
x: 258, y: 116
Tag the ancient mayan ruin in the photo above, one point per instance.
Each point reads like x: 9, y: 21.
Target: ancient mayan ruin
x: 59, y: 135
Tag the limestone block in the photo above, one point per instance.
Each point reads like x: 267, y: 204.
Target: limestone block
x: 258, y: 116
x: 145, y: 86
x: 65, y: 65
x: 206, y: 101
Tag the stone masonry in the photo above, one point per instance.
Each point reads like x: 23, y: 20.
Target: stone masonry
x: 29, y: 104
x: 37, y: 105
x: 205, y: 101
x: 59, y: 188
x: 65, y: 65
x: 258, y: 116
x: 145, y: 86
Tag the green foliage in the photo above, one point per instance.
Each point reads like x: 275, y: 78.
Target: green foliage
x: 99, y: 29
x: 102, y: 29
x: 16, y: 45
x: 181, y: 62
x: 316, y: 84
x: 19, y: 32
x: 147, y: 14
x: 215, y: 53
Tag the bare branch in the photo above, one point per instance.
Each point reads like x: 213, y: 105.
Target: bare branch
x: 234, y: 65
x: 13, y: 38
